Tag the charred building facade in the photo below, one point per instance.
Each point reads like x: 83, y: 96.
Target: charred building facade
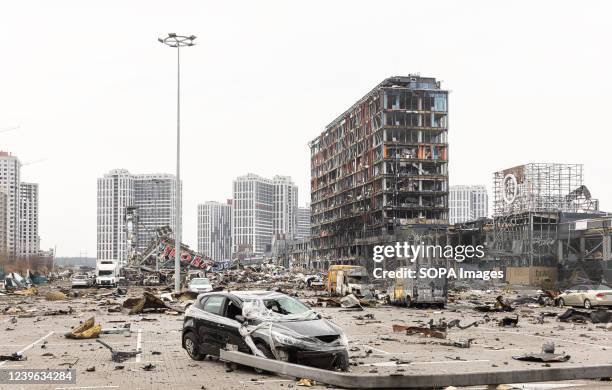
x: 378, y: 169
x: 530, y: 203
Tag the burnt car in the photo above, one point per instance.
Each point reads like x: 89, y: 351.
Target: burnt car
x: 264, y: 323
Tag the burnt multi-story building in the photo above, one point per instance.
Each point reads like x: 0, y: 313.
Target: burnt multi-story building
x: 379, y: 169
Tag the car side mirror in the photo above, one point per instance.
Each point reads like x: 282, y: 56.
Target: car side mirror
x: 240, y: 318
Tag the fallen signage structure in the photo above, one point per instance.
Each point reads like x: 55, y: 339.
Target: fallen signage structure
x: 395, y: 381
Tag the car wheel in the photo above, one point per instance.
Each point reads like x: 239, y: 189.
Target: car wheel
x: 267, y: 353
x: 587, y: 304
x: 191, y: 346
x: 561, y: 302
x: 408, y: 301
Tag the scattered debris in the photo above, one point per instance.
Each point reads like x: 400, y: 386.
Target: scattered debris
x: 599, y: 316
x: 55, y: 296
x: 351, y: 302
x: 117, y: 330
x: 119, y: 356
x: 509, y: 321
x: 427, y: 332
x: 91, y: 369
x: 305, y: 382
x: 87, y: 330
x: 499, y: 306
x: 547, y: 355
x: 148, y: 302
x: 14, y: 357
x: 149, y: 367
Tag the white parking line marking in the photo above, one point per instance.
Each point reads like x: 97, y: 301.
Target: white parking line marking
x: 267, y: 381
x: 87, y: 387
x: 29, y: 346
x: 139, y: 346
x: 376, y: 349
x: 152, y: 361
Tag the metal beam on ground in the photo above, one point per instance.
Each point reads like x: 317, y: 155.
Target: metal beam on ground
x: 395, y: 381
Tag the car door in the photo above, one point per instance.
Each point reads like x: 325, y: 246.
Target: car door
x: 231, y: 332
x: 571, y: 298
x: 209, y: 328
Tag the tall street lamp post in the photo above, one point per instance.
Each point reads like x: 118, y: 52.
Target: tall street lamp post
x: 177, y: 41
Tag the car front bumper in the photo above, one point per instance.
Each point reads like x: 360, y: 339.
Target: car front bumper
x: 328, y: 360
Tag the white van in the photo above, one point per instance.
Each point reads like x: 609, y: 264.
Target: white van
x: 107, y: 273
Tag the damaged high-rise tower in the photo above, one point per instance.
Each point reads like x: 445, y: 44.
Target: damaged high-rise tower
x: 380, y: 168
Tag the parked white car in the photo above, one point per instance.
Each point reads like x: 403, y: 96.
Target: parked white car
x: 587, y: 296
x: 81, y: 280
x: 199, y: 285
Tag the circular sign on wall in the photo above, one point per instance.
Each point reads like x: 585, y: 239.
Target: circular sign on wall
x: 510, y: 187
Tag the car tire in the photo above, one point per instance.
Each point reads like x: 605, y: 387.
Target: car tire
x: 267, y: 353
x: 408, y: 301
x: 191, y: 346
x: 587, y: 304
x: 561, y: 302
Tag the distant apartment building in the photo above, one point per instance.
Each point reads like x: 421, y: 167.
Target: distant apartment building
x: 467, y: 203
x: 285, y: 206
x: 155, y: 205
x: 379, y: 169
x: 215, y: 230
x: 29, y: 240
x: 10, y: 168
x: 3, y: 225
x: 303, y: 222
x: 148, y: 200
x: 262, y: 208
x: 252, y: 215
x: 115, y: 195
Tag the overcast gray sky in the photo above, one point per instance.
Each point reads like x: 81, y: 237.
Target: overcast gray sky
x: 93, y: 90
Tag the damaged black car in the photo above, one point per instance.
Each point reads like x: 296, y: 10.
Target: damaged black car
x: 264, y: 323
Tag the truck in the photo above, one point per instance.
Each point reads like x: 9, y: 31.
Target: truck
x: 347, y: 279
x: 107, y: 273
x: 417, y: 291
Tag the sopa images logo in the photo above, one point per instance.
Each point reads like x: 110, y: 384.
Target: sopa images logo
x: 510, y: 188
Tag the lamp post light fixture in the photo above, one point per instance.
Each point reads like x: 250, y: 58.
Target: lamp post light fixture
x: 177, y: 41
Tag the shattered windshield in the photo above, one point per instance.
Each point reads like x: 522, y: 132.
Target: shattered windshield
x: 105, y: 273
x: 286, y: 306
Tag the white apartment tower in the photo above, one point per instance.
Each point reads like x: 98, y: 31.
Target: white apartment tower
x: 467, y: 203
x: 215, y: 230
x: 10, y: 168
x: 155, y: 205
x: 150, y: 197
x: 285, y: 206
x: 303, y: 222
x: 3, y: 224
x: 115, y: 194
x: 252, y: 214
x: 29, y: 241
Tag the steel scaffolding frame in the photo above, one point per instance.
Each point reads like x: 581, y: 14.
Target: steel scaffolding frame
x: 527, y: 203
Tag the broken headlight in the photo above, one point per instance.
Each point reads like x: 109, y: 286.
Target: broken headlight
x: 285, y: 339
